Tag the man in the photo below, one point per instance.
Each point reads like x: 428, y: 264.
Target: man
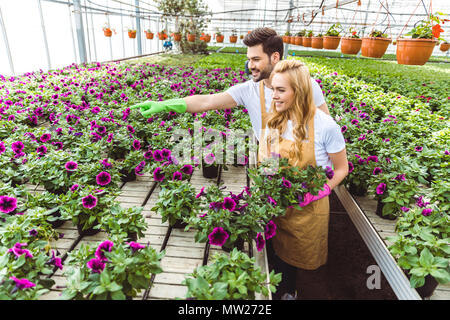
x: 265, y: 49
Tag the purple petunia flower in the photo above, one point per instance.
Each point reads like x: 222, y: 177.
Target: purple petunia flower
x: 71, y: 166
x: 377, y: 171
x: 7, y: 204
x: 18, y: 251
x: 201, y: 193
x: 166, y: 153
x: 270, y: 230
x: 210, y: 158
x: 420, y: 203
x: 157, y: 155
x: 135, y: 246
x: 216, y: 205
x: 148, y: 155
x: 372, y: 158
x: 344, y: 129
x: 89, y: 202
x: 218, y: 237
x: 187, y: 169
x: 136, y: 144
x: 351, y: 167
x: 329, y: 172
x: 260, y: 242
x: 130, y: 129
x: 2, y: 147
x: 426, y: 212
x: 74, y: 187
x: 56, y: 261
x: 381, y: 188
x: 103, y: 178
x: 33, y: 232
x: 41, y: 150
x: 17, y: 146
x: 286, y: 183
x: 228, y: 204
x: 271, y: 201
x: 105, y: 246
x: 418, y: 148
x: 400, y: 177
x: 404, y: 209
x: 158, y: 174
x: 22, y: 283
x: 45, y: 137
x: 96, y: 265
x: 177, y: 175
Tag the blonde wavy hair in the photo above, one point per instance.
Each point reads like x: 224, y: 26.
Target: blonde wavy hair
x: 303, y: 108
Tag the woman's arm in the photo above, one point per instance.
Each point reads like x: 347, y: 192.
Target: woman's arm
x: 340, y: 164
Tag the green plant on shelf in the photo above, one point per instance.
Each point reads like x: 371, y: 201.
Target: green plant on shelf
x: 287, y: 33
x: 301, y: 33
x: 233, y: 277
x: 354, y: 33
x: 116, y: 270
x: 309, y: 33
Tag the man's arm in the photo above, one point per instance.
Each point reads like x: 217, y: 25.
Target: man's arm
x: 324, y: 108
x: 204, y: 102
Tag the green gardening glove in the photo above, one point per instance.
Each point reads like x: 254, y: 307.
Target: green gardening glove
x: 148, y: 108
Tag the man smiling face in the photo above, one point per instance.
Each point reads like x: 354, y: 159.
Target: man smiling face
x: 260, y: 64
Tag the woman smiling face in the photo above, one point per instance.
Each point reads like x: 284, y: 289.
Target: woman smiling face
x: 283, y: 93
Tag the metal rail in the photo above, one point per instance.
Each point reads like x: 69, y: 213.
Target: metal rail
x: 394, y: 275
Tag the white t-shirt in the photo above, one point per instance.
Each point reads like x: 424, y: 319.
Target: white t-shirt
x: 328, y: 137
x: 247, y: 95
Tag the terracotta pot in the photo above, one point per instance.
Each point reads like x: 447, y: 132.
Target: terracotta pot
x: 190, y: 37
x: 149, y: 35
x: 206, y: 38
x: 317, y: 42
x: 107, y: 32
x: 330, y: 42
x: 307, y: 41
x: 298, y: 41
x: 350, y: 45
x: 132, y: 34
x: 444, y: 47
x: 374, y: 47
x: 220, y: 38
x: 177, y: 37
x: 162, y: 36
x: 414, y: 51
x: 233, y: 39
x: 292, y: 39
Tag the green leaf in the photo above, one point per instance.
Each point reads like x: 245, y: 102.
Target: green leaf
x: 118, y: 295
x: 426, y: 258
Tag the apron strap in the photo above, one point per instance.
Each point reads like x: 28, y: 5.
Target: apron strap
x: 262, y: 100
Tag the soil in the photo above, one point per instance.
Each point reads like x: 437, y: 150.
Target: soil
x: 345, y: 273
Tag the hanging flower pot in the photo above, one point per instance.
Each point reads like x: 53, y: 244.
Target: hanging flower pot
x: 414, y: 51
x: 132, y: 34
x: 444, y: 46
x: 233, y: 39
x: 190, y: 37
x: 374, y: 47
x: 206, y: 38
x: 162, y: 35
x: 177, y: 37
x: 107, y: 32
x: 219, y: 38
x: 331, y: 42
x: 149, y: 35
x: 307, y: 41
x: 241, y: 37
x: 317, y: 42
x: 350, y: 45
x: 298, y: 41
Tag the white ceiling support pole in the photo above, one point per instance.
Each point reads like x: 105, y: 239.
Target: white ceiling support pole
x: 44, y: 34
x: 5, y: 40
x: 80, y: 31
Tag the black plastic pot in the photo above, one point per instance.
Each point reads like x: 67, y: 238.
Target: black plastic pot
x: 127, y: 176
x: 239, y: 244
x: 132, y: 236
x: 359, y: 191
x: 210, y: 172
x: 379, y: 212
x: 428, y: 288
x: 179, y: 224
x: 56, y: 223
x: 88, y: 232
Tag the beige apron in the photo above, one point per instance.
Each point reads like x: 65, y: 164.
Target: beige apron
x: 301, y: 238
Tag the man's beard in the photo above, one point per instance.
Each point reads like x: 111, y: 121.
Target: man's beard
x: 264, y: 74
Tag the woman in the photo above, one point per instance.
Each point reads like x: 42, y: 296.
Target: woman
x: 308, y: 136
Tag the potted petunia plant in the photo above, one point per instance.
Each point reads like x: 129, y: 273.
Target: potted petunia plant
x: 351, y: 44
x: 332, y: 37
x: 233, y: 277
x: 111, y: 271
x: 376, y: 44
x: 421, y: 246
x: 125, y: 223
x: 424, y: 36
x: 176, y: 203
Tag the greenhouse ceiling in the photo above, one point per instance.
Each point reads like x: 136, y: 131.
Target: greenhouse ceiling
x: 55, y: 40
